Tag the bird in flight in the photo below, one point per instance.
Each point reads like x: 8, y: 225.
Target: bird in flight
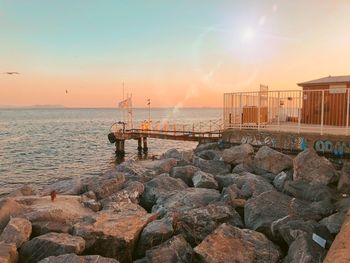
x: 11, y: 73
x: 66, y: 91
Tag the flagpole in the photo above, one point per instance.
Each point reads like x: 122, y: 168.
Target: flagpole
x: 149, y: 111
x: 123, y: 100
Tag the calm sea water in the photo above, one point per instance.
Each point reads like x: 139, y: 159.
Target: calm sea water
x: 40, y: 146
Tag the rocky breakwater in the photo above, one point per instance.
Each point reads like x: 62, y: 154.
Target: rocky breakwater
x: 209, y: 205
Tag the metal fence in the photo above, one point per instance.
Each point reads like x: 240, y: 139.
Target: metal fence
x: 318, y: 111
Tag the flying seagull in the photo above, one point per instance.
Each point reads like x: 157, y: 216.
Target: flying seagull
x: 11, y: 73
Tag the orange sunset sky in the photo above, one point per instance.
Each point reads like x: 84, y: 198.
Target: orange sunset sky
x: 177, y: 53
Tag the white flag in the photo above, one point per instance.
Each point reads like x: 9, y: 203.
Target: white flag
x: 125, y: 103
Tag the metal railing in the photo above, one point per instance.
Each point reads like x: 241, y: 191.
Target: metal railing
x: 318, y: 111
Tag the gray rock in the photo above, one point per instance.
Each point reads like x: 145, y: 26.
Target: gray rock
x: 196, y: 224
x: 175, y: 250
x: 225, y: 180
x: 114, y: 232
x: 154, y: 234
x: 17, y: 231
x: 246, y: 166
x: 165, y: 165
x: 172, y: 153
x: 231, y: 244
x: 212, y: 166
x: 104, y: 187
x: 306, y: 191
x: 272, y: 161
x: 160, y: 186
x: 51, y: 244
x: 305, y: 250
x: 93, y: 205
x: 281, y: 179
x: 237, y: 154
x: 344, y: 180
x: 207, y: 146
x: 230, y: 193
x: 8, y: 253
x: 134, y: 171
x: 65, y: 187
x: 204, y: 180
x: 334, y: 222
x: 210, y: 154
x: 185, y: 199
x: 73, y: 258
x: 310, y: 167
x: 185, y: 173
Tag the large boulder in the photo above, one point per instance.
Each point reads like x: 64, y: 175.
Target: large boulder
x: 9, y: 207
x: 165, y: 166
x: 231, y: 244
x: 207, y: 146
x: 210, y: 154
x: 17, y: 231
x: 135, y: 171
x: 237, y: 154
x: 73, y: 258
x: 174, y: 250
x: 160, y: 186
x: 185, y: 173
x: 334, y: 222
x: 105, y: 186
x: 8, y: 253
x: 212, y: 166
x: 344, y: 180
x: 114, y: 232
x: 204, y: 180
x: 306, y: 191
x: 310, y: 167
x: 72, y: 186
x: 185, y: 199
x: 272, y: 161
x: 172, y: 153
x: 25, y: 190
x: 196, y: 224
x: 154, y: 234
x: 51, y: 244
x: 305, y: 250
x: 261, y: 211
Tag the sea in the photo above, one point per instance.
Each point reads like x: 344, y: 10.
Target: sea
x: 40, y: 146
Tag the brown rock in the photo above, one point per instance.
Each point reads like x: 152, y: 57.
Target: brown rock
x: 344, y: 180
x: 231, y: 244
x: 8, y: 253
x: 103, y: 187
x: 73, y: 258
x: 17, y: 231
x: 9, y: 207
x: 51, y: 244
x: 237, y: 154
x: 114, y: 232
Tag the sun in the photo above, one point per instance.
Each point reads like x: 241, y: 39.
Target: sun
x: 248, y: 35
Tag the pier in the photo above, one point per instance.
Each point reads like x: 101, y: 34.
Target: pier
x: 201, y: 132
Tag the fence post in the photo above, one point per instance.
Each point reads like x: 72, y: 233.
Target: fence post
x: 347, y: 114
x: 279, y: 106
x: 240, y: 112
x: 299, y: 110
x: 322, y: 112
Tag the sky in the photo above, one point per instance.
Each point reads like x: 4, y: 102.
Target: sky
x: 183, y: 53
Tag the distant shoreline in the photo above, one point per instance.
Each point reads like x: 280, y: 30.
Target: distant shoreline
x: 5, y: 107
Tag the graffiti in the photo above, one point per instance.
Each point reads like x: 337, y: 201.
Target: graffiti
x: 336, y: 148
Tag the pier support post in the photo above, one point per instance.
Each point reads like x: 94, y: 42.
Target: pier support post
x: 120, y: 148
x: 145, y: 148
x: 139, y: 146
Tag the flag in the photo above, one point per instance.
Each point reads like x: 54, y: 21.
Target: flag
x: 125, y: 104
x: 148, y: 102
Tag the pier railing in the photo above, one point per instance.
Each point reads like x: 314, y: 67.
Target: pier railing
x: 316, y: 111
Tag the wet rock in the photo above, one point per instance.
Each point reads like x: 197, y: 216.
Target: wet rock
x: 310, y: 167
x: 17, y: 231
x: 210, y: 154
x: 8, y: 253
x: 272, y: 161
x: 344, y: 180
x: 114, y: 232
x: 281, y: 179
x: 231, y: 244
x: 305, y: 250
x: 185, y: 199
x: 204, y: 180
x: 261, y: 211
x: 237, y: 154
x: 159, y: 186
x: 73, y: 258
x: 130, y: 193
x: 65, y: 187
x: 211, y: 166
x: 103, y: 187
x: 185, y: 173
x: 175, y: 250
x: 154, y: 234
x: 310, y: 192
x: 51, y: 244
x: 334, y: 222
x: 196, y: 224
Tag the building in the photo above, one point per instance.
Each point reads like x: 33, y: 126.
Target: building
x: 326, y: 101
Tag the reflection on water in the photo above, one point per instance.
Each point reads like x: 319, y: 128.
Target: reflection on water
x: 42, y: 145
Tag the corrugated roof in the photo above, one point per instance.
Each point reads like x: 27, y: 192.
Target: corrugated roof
x: 326, y: 80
